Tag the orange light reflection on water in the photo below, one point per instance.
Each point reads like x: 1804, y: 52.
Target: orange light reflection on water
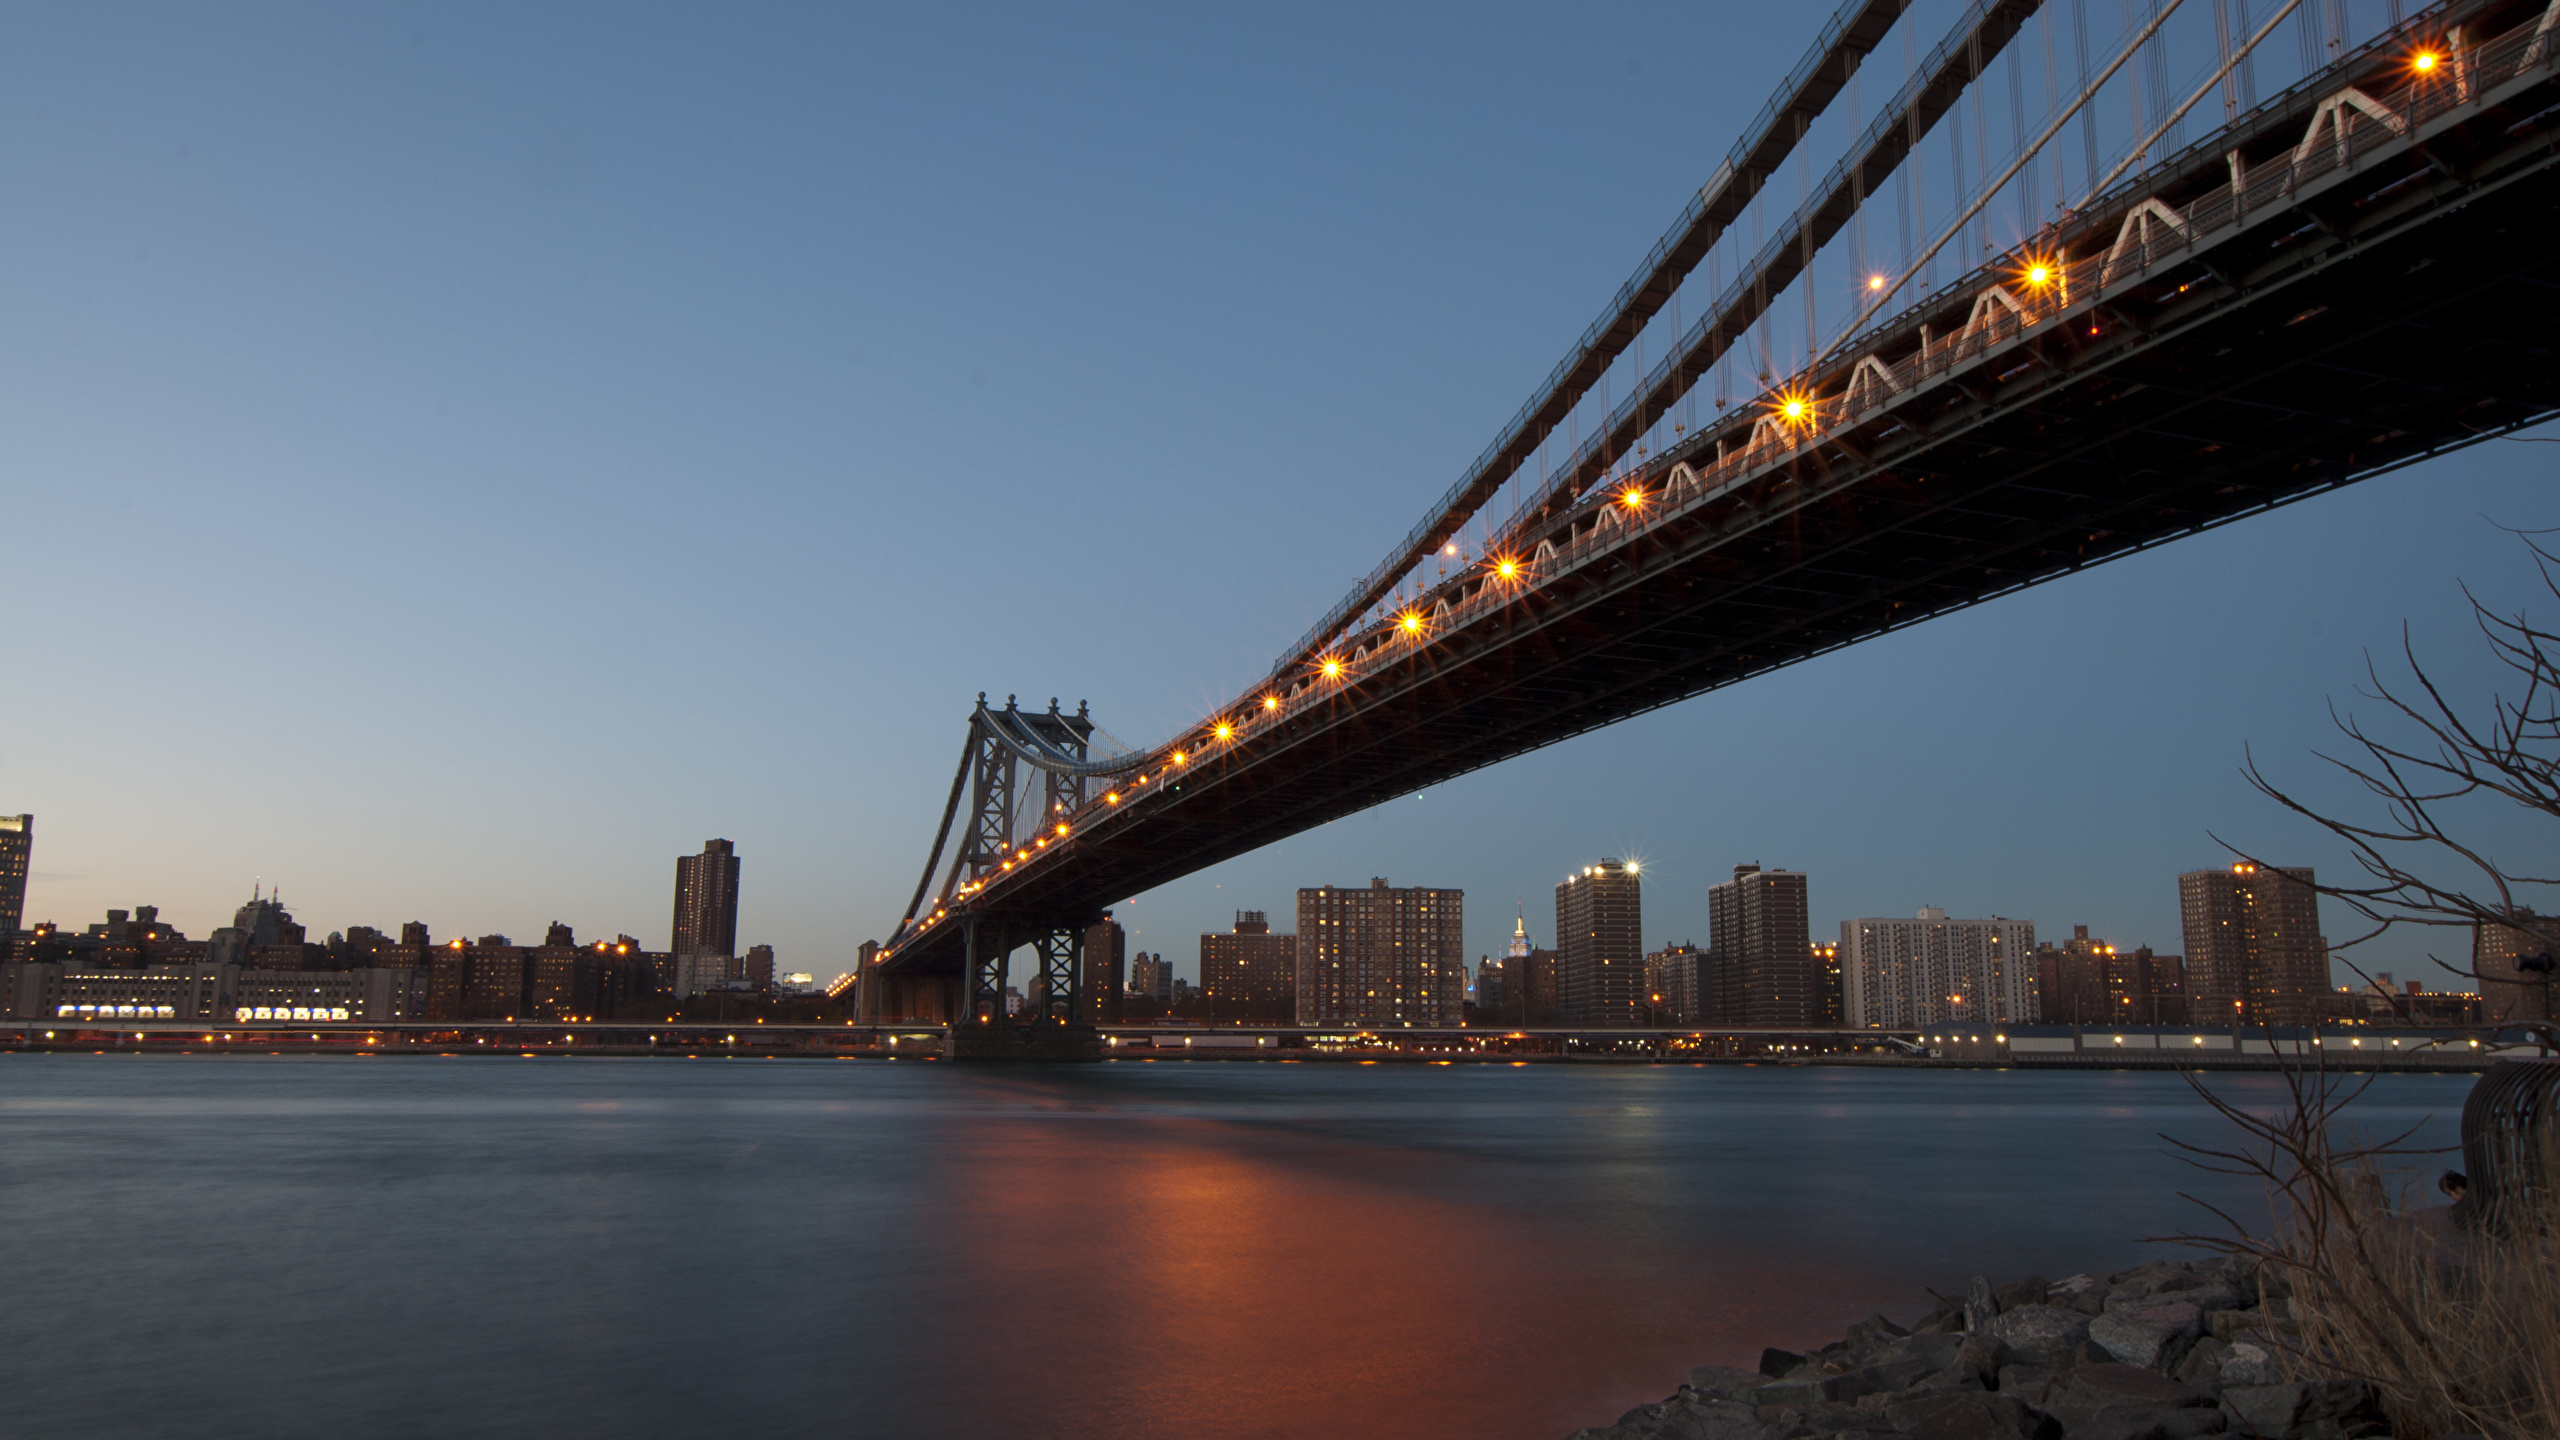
x: 1174, y: 1277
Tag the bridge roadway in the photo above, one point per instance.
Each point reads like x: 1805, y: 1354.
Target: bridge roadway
x: 2359, y: 275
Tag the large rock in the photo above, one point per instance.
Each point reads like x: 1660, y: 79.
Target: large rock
x: 2148, y: 1332
x: 1708, y: 1420
x: 1969, y: 1415
x: 2043, y: 1335
x: 1776, y: 1363
x: 2030, y: 1291
x: 2094, y: 1392
x: 1873, y: 1334
x: 2176, y: 1424
x: 2275, y: 1411
x: 2202, y: 1365
x: 2248, y: 1363
x: 1719, y: 1381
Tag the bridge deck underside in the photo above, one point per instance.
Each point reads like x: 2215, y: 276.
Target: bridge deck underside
x: 2408, y: 312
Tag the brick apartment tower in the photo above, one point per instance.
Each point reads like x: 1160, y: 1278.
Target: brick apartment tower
x: 706, y: 920
x: 17, y: 847
x: 1761, y: 951
x: 2508, y: 991
x: 1382, y: 957
x: 1600, y: 946
x: 2254, y: 952
x: 1106, y: 962
x: 1250, y: 973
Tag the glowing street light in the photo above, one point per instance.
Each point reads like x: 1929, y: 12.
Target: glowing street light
x: 2425, y: 61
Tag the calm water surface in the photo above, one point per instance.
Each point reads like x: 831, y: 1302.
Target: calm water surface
x: 475, y: 1246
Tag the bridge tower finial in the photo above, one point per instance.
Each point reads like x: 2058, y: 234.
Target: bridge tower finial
x: 1053, y: 704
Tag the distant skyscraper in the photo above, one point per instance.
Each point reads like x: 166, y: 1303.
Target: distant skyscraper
x: 1250, y: 973
x: 1762, y: 966
x: 706, y: 920
x: 1931, y: 970
x: 17, y: 848
x: 2508, y: 990
x: 1106, y: 948
x: 1382, y: 956
x: 1830, y: 1006
x: 1489, y: 998
x: 1600, y: 946
x: 2254, y: 952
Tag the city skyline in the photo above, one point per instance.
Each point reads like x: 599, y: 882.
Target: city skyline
x: 489, y: 481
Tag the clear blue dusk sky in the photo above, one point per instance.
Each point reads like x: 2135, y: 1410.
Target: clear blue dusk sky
x: 455, y: 458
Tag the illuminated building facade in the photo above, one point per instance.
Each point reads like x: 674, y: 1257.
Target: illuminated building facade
x: 2254, y: 951
x: 2514, y: 964
x: 17, y: 850
x: 706, y: 913
x: 1930, y: 970
x: 1106, y: 949
x: 2090, y: 982
x: 1382, y: 957
x: 1761, y: 966
x: 1250, y: 973
x: 1600, y: 946
x: 1671, y: 977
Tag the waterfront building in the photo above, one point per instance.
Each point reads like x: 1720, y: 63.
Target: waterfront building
x: 706, y: 912
x: 1930, y: 970
x: 2090, y: 982
x: 1600, y: 946
x: 1106, y: 948
x: 1381, y: 957
x: 1151, y: 977
x: 1488, y: 986
x: 2255, y: 955
x: 2513, y: 964
x: 1757, y: 931
x: 1830, y: 1004
x: 1250, y: 973
x: 1671, y: 977
x: 17, y: 852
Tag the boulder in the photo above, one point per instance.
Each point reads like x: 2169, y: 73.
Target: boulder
x: 2092, y: 1392
x: 1775, y: 1363
x: 1709, y: 1420
x: 2030, y: 1291
x: 2202, y: 1365
x: 2224, y: 1324
x: 2030, y: 1384
x: 1969, y: 1415
x: 2145, y: 1333
x: 2042, y: 1334
x: 1718, y: 1381
x: 2248, y: 1363
x: 1981, y: 1307
x: 2284, y: 1409
x: 1872, y: 1334
x: 2174, y: 1424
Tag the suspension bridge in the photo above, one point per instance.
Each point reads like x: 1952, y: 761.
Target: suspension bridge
x: 2354, y: 275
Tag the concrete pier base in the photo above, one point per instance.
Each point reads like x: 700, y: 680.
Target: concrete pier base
x: 1047, y: 1042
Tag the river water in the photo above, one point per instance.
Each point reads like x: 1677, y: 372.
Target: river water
x: 397, y: 1246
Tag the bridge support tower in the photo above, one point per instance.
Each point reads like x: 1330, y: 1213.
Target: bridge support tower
x: 1053, y: 1022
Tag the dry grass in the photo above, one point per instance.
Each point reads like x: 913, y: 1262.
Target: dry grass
x: 2458, y: 1332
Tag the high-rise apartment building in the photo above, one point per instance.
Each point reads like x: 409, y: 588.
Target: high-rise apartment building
x: 1762, y: 967
x: 1250, y: 973
x: 1600, y: 946
x: 1930, y: 970
x: 1489, y: 1003
x: 2514, y: 964
x: 2254, y: 951
x: 706, y: 920
x: 17, y: 849
x: 1381, y: 957
x: 1151, y: 977
x: 1671, y: 977
x: 1829, y: 1003
x: 1106, y: 948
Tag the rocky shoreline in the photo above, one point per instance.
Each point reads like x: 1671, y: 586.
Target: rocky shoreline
x: 2172, y: 1350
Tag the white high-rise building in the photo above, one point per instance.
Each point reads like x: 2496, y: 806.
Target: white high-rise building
x: 1930, y: 970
